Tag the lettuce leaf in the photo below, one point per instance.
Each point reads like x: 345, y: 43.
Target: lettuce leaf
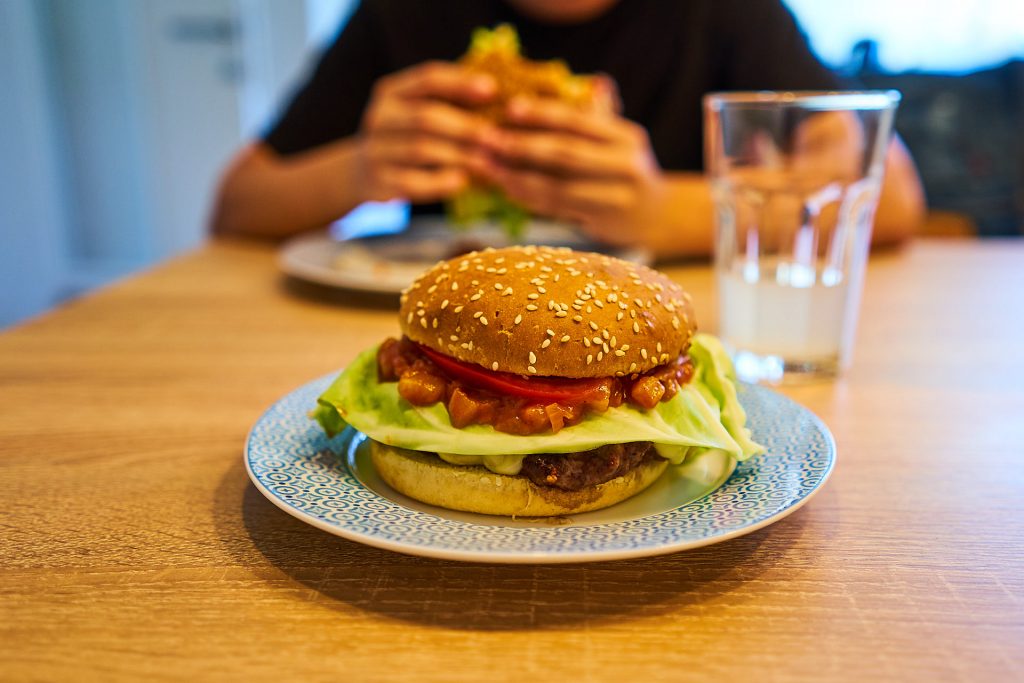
x: 705, y: 414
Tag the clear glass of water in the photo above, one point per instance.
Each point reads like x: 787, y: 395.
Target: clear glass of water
x: 795, y: 178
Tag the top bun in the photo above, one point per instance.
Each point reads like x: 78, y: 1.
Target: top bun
x: 549, y: 312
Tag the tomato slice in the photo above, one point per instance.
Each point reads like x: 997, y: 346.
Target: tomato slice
x: 541, y: 389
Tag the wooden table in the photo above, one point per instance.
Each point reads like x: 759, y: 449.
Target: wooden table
x: 133, y: 547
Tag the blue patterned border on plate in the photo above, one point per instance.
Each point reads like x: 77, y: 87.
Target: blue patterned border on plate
x: 295, y: 466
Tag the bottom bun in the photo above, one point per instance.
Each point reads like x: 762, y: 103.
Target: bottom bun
x: 428, y: 479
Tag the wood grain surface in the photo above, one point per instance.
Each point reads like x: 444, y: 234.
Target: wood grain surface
x: 133, y: 547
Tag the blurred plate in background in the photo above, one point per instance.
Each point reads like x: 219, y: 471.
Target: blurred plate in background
x: 388, y: 263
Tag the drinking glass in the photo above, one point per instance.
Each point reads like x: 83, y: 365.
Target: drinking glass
x: 795, y: 178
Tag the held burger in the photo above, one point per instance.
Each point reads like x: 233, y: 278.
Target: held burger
x: 532, y: 381
x: 496, y: 52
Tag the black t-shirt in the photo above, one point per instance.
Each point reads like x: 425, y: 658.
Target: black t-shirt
x: 663, y: 54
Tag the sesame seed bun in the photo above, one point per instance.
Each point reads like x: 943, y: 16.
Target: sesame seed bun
x: 549, y: 312
x: 427, y: 478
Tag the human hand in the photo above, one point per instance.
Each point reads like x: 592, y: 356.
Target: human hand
x: 591, y: 167
x: 419, y: 136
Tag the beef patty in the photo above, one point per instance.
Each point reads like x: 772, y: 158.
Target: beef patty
x: 576, y: 471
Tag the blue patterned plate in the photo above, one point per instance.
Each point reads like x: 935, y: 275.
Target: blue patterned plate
x: 330, y: 484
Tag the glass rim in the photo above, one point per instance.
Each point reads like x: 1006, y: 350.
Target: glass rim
x: 805, y: 99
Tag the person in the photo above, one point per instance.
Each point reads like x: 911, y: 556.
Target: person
x: 388, y: 114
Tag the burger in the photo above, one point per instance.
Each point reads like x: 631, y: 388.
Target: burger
x: 496, y: 53
x: 536, y: 381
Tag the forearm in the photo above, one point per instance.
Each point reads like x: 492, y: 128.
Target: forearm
x: 679, y: 220
x: 265, y: 195
x: 901, y: 205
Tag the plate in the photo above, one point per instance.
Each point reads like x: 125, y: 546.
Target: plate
x: 330, y: 484
x: 388, y: 263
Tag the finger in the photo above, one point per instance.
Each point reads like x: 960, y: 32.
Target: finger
x: 606, y: 94
x: 430, y: 118
x: 565, y: 154
x: 441, y: 80
x: 418, y: 150
x: 579, y: 200
x: 422, y: 185
x: 536, y: 191
x: 546, y: 113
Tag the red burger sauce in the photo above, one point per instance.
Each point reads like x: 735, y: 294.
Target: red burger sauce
x: 421, y: 382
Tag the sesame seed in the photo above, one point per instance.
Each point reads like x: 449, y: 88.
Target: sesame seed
x: 533, y: 296
x: 494, y: 366
x: 408, y: 318
x: 531, y: 307
x: 421, y: 313
x: 659, y: 347
x: 561, y: 314
x: 604, y: 333
x: 533, y: 370
x: 476, y: 296
x: 612, y: 343
x: 550, y: 332
x: 590, y: 358
x: 625, y: 347
x: 643, y: 353
x: 613, y: 297
x: 639, y: 303
x: 542, y: 290
x: 586, y: 342
x: 434, y: 323
x: 577, y: 318
x: 597, y: 340
x: 618, y: 316
x: 600, y: 355
x: 455, y: 286
x: 598, y: 303
x: 564, y: 338
x: 620, y: 353
x: 605, y: 347
x: 483, y: 321
x: 507, y: 292
x: 499, y: 286
x: 478, y: 314
x: 458, y: 309
x: 675, y: 322
x: 545, y: 344
x: 454, y: 337
x: 664, y: 358
x: 444, y: 304
x: 632, y: 367
x: 593, y: 325
x: 432, y: 289
x: 533, y: 358
x: 632, y: 313
x: 636, y: 327
x: 519, y: 319
x: 423, y: 322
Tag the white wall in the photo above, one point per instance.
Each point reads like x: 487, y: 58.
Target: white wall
x: 31, y: 224
x: 116, y: 120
